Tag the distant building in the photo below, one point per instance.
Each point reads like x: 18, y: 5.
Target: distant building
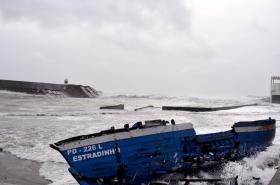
x: 275, y: 89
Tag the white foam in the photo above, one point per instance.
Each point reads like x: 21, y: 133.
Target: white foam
x: 57, y: 173
x: 76, y: 118
x: 260, y: 166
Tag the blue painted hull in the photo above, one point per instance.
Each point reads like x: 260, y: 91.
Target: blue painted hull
x: 140, y: 154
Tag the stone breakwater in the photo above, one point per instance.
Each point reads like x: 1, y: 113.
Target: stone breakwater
x: 38, y: 88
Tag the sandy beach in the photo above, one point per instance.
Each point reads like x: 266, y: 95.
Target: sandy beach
x: 18, y: 171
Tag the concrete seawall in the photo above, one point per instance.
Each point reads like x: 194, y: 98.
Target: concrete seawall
x: 68, y: 90
x: 275, y: 98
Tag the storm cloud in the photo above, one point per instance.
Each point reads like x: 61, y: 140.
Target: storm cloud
x: 143, y: 47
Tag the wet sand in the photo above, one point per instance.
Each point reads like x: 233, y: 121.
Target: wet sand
x: 16, y: 171
x: 276, y: 178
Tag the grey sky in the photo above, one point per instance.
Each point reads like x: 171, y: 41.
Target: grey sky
x: 192, y: 47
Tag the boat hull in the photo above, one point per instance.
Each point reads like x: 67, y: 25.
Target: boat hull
x: 140, y: 155
x: 255, y: 136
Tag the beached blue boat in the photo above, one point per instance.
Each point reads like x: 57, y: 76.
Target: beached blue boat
x: 137, y: 154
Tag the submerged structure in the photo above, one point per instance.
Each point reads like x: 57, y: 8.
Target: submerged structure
x: 204, y: 109
x: 68, y: 90
x: 143, y: 152
x: 275, y: 89
x: 114, y: 107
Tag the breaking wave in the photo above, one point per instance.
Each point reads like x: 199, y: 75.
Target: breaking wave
x: 152, y: 96
x: 55, y: 115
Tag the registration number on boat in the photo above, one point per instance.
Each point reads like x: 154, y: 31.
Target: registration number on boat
x: 85, y: 149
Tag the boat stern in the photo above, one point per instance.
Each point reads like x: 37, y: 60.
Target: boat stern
x: 255, y: 135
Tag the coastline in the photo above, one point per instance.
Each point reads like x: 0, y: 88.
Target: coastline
x: 16, y: 171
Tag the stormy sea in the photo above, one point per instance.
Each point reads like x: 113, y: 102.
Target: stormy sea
x: 28, y: 124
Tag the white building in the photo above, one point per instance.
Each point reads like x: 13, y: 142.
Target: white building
x: 275, y: 89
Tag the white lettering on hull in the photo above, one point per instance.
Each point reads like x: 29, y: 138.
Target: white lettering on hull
x: 93, y: 155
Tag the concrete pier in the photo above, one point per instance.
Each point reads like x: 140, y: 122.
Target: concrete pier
x: 204, y: 109
x: 67, y: 90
